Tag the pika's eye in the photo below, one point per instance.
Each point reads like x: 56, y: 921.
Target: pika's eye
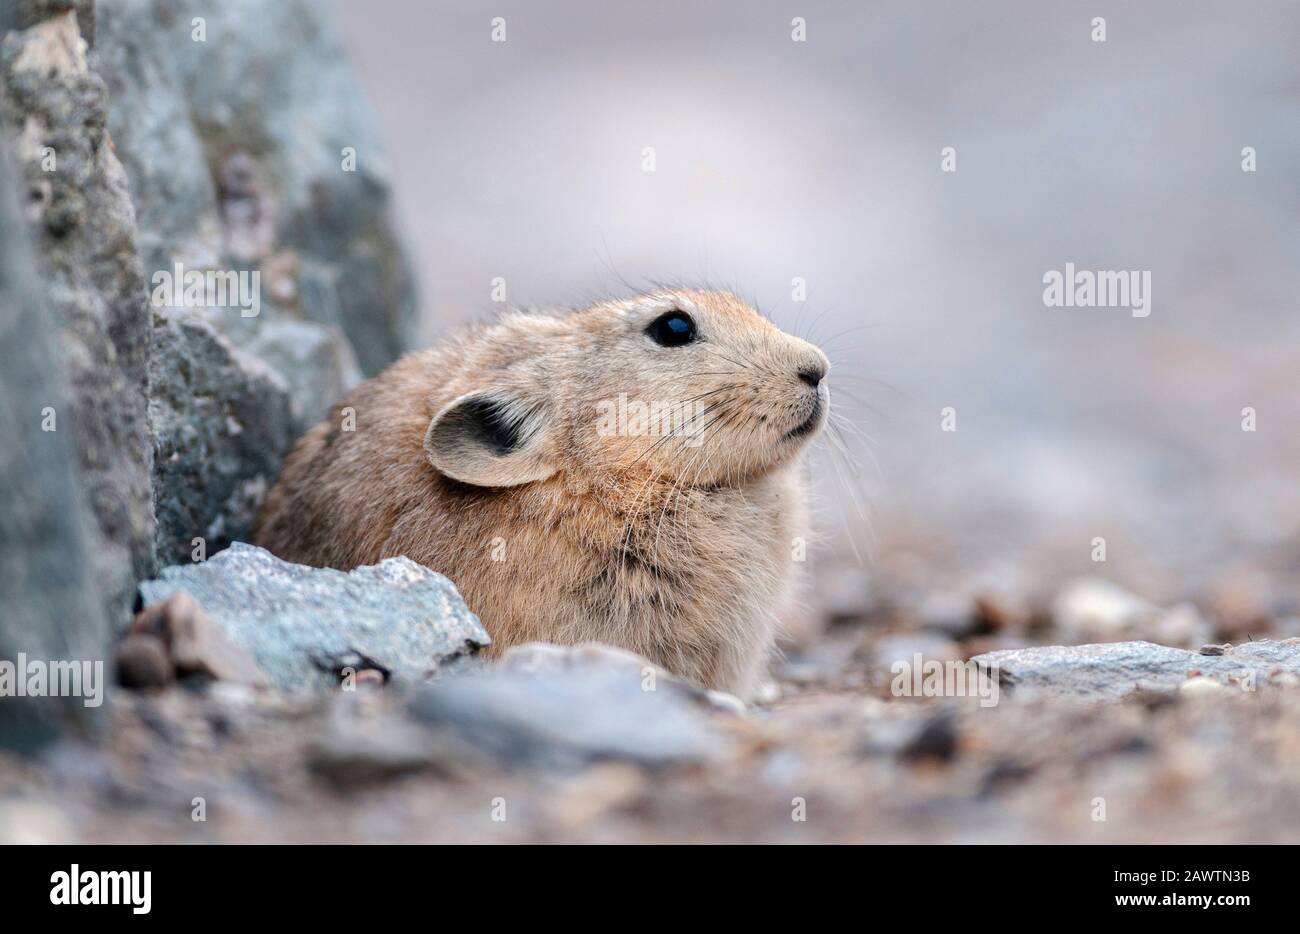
x: 672, y: 329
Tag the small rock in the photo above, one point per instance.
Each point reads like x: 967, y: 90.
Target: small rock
x: 992, y: 615
x: 304, y: 625
x: 143, y: 663
x: 568, y: 718
x: 1093, y: 610
x: 935, y: 741
x: 195, y: 644
x: 953, y: 615
x: 1115, y: 670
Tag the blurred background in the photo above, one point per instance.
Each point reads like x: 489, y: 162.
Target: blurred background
x: 778, y: 159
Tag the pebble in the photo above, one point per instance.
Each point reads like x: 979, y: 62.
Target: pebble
x: 1094, y: 610
x: 953, y: 615
x: 194, y: 644
x: 143, y: 663
x: 936, y: 740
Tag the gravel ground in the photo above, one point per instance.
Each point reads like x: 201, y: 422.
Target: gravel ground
x: 831, y: 754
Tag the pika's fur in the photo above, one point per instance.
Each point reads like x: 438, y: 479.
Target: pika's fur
x: 516, y: 460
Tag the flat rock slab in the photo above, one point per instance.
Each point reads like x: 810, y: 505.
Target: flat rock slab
x: 303, y: 625
x: 565, y: 719
x: 1114, y: 669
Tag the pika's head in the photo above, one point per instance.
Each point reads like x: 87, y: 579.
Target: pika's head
x: 693, y: 387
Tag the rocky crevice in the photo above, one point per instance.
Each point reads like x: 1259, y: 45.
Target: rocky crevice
x: 145, y: 424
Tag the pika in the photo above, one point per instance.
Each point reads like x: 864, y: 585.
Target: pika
x: 628, y: 473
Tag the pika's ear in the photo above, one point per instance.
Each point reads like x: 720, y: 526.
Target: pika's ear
x: 489, y: 439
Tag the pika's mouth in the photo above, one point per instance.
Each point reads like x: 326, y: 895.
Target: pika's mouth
x: 808, y: 425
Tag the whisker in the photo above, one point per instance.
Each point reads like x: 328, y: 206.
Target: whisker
x: 670, y: 434
x: 847, y: 331
x: 723, y: 356
x: 817, y: 320
x: 848, y: 531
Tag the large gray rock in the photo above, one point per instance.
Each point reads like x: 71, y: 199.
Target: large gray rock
x: 304, y: 625
x: 314, y: 361
x: 235, y: 146
x: 566, y: 708
x: 222, y: 424
x: 53, y: 109
x: 49, y: 605
x: 232, y: 174
x: 1115, y: 669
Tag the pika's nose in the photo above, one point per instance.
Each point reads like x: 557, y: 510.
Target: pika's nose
x: 812, y: 374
